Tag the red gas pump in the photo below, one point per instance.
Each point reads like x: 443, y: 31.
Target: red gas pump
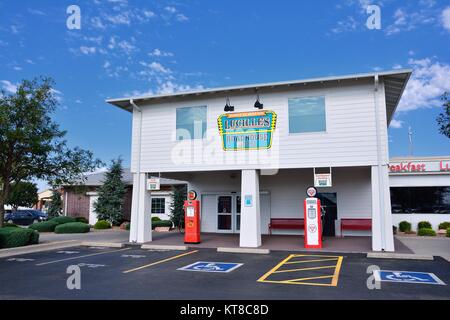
x: 312, y: 219
x: 192, y: 219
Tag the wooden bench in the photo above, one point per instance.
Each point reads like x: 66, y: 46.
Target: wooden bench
x: 355, y: 224
x: 286, y: 223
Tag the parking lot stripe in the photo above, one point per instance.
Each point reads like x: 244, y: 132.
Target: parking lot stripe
x: 302, y: 269
x: 268, y: 273
x: 336, y: 272
x: 318, y: 260
x: 160, y: 261
x: 83, y: 256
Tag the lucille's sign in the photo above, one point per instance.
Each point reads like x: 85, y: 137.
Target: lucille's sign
x: 247, y: 130
x: 421, y: 166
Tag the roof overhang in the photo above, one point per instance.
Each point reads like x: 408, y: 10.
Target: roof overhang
x: 394, y: 82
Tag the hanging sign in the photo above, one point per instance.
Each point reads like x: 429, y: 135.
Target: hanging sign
x: 247, y: 130
x: 153, y: 184
x: 322, y: 180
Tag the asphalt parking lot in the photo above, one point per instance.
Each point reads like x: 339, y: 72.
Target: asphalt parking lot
x: 134, y: 273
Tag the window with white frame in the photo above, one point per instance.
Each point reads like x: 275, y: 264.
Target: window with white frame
x: 307, y: 114
x: 158, y: 205
x: 191, y: 123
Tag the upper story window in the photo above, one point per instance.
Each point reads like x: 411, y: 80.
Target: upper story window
x: 307, y: 115
x: 191, y: 123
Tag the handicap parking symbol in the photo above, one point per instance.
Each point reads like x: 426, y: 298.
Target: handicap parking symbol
x: 204, y: 266
x: 407, y: 277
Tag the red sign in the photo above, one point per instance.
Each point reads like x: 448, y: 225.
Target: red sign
x: 420, y: 166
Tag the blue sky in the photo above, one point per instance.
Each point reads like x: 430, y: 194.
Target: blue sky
x: 135, y: 47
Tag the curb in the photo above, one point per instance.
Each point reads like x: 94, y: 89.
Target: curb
x: 9, y: 252
x: 402, y: 256
x: 102, y: 244
x: 243, y: 250
x: 163, y: 247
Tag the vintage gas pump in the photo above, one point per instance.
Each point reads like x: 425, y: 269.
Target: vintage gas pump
x: 192, y: 218
x: 312, y: 219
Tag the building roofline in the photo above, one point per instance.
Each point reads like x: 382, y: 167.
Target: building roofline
x: 124, y: 103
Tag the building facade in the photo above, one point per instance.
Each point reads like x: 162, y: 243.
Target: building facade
x: 420, y: 190
x: 251, y: 151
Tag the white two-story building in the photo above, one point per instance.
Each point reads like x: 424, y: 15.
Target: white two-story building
x: 264, y: 142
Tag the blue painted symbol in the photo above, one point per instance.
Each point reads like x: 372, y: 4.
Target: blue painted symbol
x: 407, y: 277
x: 203, y: 266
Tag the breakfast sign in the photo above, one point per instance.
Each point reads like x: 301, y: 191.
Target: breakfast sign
x: 420, y: 166
x: 247, y: 130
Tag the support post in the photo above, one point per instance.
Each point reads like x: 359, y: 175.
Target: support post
x: 250, y: 233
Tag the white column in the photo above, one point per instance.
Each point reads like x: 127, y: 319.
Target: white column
x: 141, y: 223
x: 382, y: 234
x: 250, y: 233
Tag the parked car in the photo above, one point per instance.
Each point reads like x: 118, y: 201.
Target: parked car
x: 26, y: 217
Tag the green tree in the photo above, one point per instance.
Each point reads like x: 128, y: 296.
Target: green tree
x: 179, y: 194
x: 23, y: 194
x: 32, y: 145
x: 443, y: 119
x: 55, y: 205
x: 111, y: 195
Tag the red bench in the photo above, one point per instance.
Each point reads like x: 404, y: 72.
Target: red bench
x: 355, y: 224
x: 286, y: 223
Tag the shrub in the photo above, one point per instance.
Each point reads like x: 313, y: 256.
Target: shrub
x: 154, y: 219
x: 10, y: 225
x: 404, y: 226
x: 424, y: 225
x: 444, y: 225
x: 127, y: 226
x: 44, y: 226
x: 81, y: 219
x: 102, y: 224
x: 72, y: 227
x: 448, y: 232
x: 63, y: 219
x: 426, y: 232
x: 11, y: 237
x: 162, y: 223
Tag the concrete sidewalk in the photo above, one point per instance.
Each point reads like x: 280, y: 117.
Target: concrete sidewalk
x: 435, y: 246
x: 111, y: 235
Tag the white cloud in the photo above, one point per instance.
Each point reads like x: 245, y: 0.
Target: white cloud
x: 430, y: 79
x: 159, y: 53
x: 349, y: 24
x: 396, y: 124
x: 181, y: 17
x: 169, y: 87
x: 149, y: 13
x: 8, y: 86
x: 446, y: 18
x: 410, y: 20
x: 170, y: 9
x: 17, y: 68
x: 88, y: 50
x: 97, y: 23
x: 36, y: 12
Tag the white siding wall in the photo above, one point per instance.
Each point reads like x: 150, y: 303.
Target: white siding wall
x: 350, y: 138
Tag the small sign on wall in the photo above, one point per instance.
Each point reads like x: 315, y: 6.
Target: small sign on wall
x: 153, y: 184
x: 248, y: 200
x: 322, y: 180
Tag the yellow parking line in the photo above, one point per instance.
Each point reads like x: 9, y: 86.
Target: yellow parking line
x: 318, y: 260
x: 334, y: 282
x: 309, y: 278
x: 268, y: 273
x: 312, y: 268
x: 85, y: 256
x: 160, y: 261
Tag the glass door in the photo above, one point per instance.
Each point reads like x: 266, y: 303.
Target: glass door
x: 228, y: 213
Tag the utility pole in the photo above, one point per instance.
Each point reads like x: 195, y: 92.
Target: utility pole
x: 410, y: 141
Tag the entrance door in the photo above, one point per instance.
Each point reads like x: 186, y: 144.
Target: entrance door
x: 329, y: 202
x: 228, y: 213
